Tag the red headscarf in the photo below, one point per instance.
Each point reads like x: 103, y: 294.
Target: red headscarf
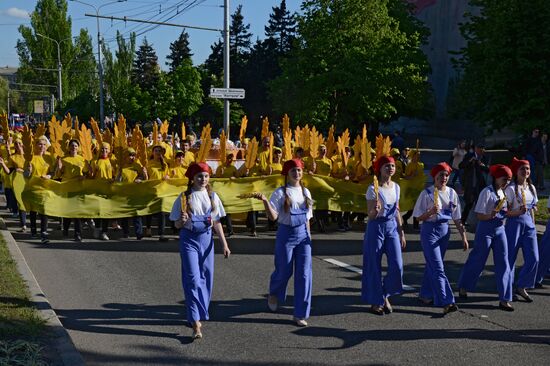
x: 500, y: 170
x: 197, y: 168
x: 381, y: 161
x: 440, y: 167
x: 516, y: 164
x: 293, y: 163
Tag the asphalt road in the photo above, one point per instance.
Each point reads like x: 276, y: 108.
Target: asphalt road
x: 121, y: 302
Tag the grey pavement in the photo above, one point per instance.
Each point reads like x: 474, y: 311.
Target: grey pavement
x: 122, y: 304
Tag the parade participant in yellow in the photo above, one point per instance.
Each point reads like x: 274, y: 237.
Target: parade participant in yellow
x: 177, y: 171
x: 263, y: 156
x: 132, y: 172
x: 227, y: 170
x: 322, y: 166
x: 38, y: 167
x: 242, y: 152
x: 157, y: 169
x: 414, y: 175
x: 102, y: 170
x: 188, y: 156
x: 399, y: 167
x: 342, y: 172
x: 15, y: 163
x: 276, y: 167
x: 72, y: 166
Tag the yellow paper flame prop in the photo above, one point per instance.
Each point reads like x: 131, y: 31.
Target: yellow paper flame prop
x: 248, y: 195
x: 523, y: 198
x: 164, y: 129
x: 242, y: 132
x: 286, y: 124
x: 251, y: 154
x: 436, y: 197
x: 500, y: 204
x: 298, y: 137
x: 376, y: 186
x: 331, y: 143
x: 383, y: 146
x: 96, y: 131
x: 28, y: 145
x: 41, y: 129
x: 342, y: 151
x: 314, y: 143
x: 183, y: 202
x: 287, y: 148
x: 183, y: 132
x: 304, y: 139
x: 155, y: 134
x: 85, y: 138
x: 265, y: 128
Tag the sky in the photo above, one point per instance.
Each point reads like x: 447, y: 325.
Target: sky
x: 206, y: 13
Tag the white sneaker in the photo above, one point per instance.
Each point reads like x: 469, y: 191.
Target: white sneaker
x: 104, y: 236
x: 300, y: 322
x: 272, y: 303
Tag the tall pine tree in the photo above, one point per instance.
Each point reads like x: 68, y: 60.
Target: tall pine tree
x: 146, y: 72
x: 179, y: 51
x: 281, y: 28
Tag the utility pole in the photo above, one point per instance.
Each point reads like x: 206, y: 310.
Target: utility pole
x: 99, y: 65
x: 226, y: 105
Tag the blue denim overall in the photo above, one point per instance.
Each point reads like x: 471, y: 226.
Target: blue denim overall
x: 434, y: 237
x: 197, y: 266
x: 293, y: 252
x: 489, y: 235
x: 381, y: 237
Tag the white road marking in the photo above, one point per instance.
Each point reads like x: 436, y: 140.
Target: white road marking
x: 351, y: 268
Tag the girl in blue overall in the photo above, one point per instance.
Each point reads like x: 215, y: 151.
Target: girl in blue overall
x: 201, y: 214
x: 490, y: 235
x: 544, y: 255
x: 520, y: 227
x: 434, y: 237
x: 291, y: 206
x: 384, y: 235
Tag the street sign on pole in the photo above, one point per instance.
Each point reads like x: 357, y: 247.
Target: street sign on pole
x: 226, y: 93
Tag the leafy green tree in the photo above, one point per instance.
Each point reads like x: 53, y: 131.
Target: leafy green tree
x: 353, y: 63
x: 164, y: 98
x: 186, y: 84
x: 121, y: 94
x: 179, y: 51
x: 3, y: 94
x: 37, y: 53
x: 504, y: 67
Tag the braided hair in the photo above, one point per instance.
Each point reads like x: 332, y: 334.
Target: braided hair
x: 529, y: 184
x: 286, y: 206
x: 189, y: 190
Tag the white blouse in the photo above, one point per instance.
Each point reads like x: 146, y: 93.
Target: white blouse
x: 425, y: 202
x: 388, y: 196
x: 200, y: 204
x: 487, y: 201
x: 277, y: 201
x: 515, y: 201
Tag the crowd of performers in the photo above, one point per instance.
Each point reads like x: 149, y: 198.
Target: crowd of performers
x: 505, y: 210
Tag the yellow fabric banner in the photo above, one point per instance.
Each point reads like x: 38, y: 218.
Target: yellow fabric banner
x: 105, y: 199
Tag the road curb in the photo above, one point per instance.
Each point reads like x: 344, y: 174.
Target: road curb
x: 61, y: 340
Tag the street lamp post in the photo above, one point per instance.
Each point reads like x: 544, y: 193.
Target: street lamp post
x: 60, y: 86
x: 99, y: 65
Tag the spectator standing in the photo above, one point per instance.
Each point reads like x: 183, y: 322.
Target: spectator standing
x: 475, y: 166
x: 458, y: 155
x: 534, y: 154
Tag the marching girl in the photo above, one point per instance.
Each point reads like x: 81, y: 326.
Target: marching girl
x: 291, y: 206
x: 16, y: 162
x: 384, y: 235
x: 435, y: 206
x: 520, y: 227
x: 196, y: 217
x: 491, y: 210
x: 544, y: 255
x: 72, y: 166
x: 102, y: 169
x: 157, y: 169
x: 39, y: 167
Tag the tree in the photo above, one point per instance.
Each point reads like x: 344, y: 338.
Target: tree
x: 121, y: 94
x: 353, y: 63
x: 186, y: 83
x: 146, y: 71
x: 83, y: 78
x: 239, y: 38
x: 179, y: 51
x: 37, y: 53
x: 281, y: 28
x: 164, y: 99
x: 504, y: 67
x: 3, y: 94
